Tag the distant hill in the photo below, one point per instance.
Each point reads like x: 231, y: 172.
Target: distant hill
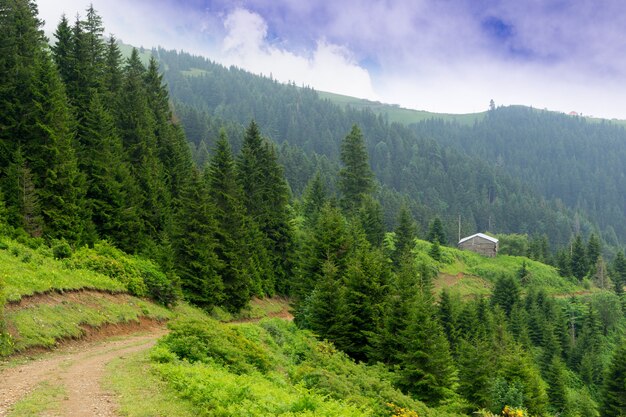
x: 444, y: 165
x: 397, y: 114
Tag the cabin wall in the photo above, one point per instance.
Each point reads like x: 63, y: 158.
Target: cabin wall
x: 481, y: 246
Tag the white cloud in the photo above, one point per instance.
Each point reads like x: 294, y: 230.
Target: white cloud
x: 329, y: 67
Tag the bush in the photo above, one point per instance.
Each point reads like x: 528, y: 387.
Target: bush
x: 140, y: 276
x: 61, y: 249
x: 208, y: 341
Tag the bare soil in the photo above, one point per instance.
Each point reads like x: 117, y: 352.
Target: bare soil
x: 78, y: 366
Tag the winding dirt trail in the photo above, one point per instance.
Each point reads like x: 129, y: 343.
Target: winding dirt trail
x: 79, y: 369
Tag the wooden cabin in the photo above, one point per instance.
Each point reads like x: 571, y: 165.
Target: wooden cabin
x: 481, y: 244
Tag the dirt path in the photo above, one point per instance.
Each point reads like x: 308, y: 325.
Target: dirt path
x: 79, y: 369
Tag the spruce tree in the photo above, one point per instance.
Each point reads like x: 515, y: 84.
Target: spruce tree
x: 62, y: 50
x: 326, y: 308
x: 406, y: 232
x: 313, y: 198
x: 427, y: 370
x: 23, y: 207
x: 506, y: 294
x: 619, y: 273
x: 476, y: 367
x: 448, y: 317
x: 21, y: 45
x: 396, y: 314
x: 196, y: 262
x: 113, y: 77
x: 436, y: 232
x: 231, y: 233
x: 112, y: 194
x: 266, y: 197
x: 556, y: 379
x: 614, y: 394
x: 371, y: 217
x: 136, y: 127
x: 594, y: 249
x: 327, y: 241
x: 366, y: 278
x: 578, y: 261
x: 52, y: 158
x: 435, y: 251
x: 356, y: 179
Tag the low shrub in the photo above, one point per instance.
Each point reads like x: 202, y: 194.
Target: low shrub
x: 140, y: 276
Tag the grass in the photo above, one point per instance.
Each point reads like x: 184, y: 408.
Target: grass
x: 44, y: 325
x: 399, y: 114
x: 141, y: 391
x: 44, y: 400
x: 194, y: 72
x: 27, y: 271
x: 269, y: 368
x: 471, y: 274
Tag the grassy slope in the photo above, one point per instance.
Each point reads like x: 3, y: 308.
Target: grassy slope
x: 28, y: 272
x: 399, y: 114
x: 471, y: 274
x: 206, y: 368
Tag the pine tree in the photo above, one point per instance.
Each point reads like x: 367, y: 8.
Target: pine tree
x: 111, y: 190
x: 594, y: 249
x: 356, y: 179
x: 52, y: 158
x: 619, y: 273
x: 427, y: 369
x: 23, y: 208
x: 387, y: 344
x: 21, y: 43
x: 614, y: 395
x: 136, y: 127
x: 448, y: 317
x: 231, y: 231
x: 436, y: 232
x: 266, y: 197
x: 371, y: 217
x: 579, y: 264
x: 196, y: 262
x: 313, y: 198
x: 506, y: 294
x: 406, y: 232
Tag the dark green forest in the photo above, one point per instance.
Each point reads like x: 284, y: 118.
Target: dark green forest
x: 518, y: 170
x: 238, y: 186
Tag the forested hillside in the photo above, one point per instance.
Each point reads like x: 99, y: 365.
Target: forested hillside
x: 230, y: 186
x: 563, y: 158
x: 516, y: 171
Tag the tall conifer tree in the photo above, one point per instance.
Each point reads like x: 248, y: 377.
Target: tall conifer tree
x: 196, y: 261
x: 356, y: 179
x: 231, y: 233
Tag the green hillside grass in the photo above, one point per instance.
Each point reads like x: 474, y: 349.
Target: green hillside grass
x: 473, y: 275
x: 399, y: 114
x: 89, y: 289
x: 27, y: 271
x: 270, y: 368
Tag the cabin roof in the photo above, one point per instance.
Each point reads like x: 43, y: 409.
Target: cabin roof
x: 484, y: 236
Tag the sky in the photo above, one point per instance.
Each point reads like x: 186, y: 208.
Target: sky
x: 447, y: 56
